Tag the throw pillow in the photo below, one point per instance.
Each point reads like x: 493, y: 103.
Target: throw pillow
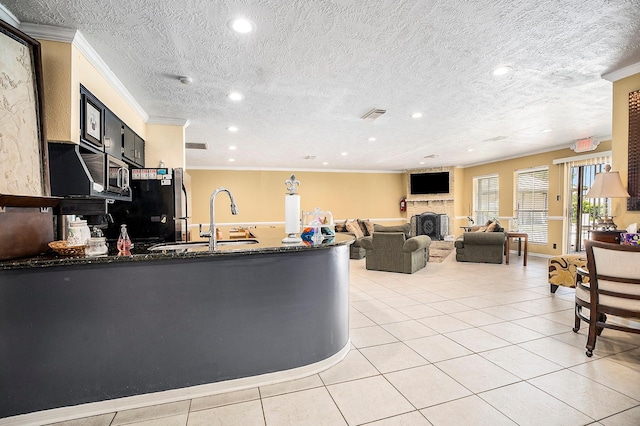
x: 492, y: 227
x: 363, y: 227
x: 369, y: 226
x: 341, y: 227
x: 477, y: 228
x: 354, y: 228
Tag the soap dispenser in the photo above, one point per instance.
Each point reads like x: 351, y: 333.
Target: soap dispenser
x: 124, y: 242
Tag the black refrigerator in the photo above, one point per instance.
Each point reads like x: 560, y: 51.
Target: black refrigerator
x: 157, y: 211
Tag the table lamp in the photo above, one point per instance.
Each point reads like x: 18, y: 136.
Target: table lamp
x: 607, y: 185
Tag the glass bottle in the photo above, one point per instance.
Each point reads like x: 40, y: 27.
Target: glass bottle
x: 96, y: 245
x: 124, y: 242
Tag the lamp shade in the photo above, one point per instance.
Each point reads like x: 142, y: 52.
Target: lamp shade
x: 607, y: 185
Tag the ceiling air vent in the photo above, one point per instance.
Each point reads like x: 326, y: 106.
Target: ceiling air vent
x: 194, y: 145
x: 373, y: 114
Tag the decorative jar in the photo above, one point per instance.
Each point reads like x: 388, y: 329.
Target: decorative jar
x: 78, y: 233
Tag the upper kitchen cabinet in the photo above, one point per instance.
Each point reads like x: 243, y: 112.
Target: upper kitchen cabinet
x: 113, y: 134
x: 92, y: 113
x: 133, y: 151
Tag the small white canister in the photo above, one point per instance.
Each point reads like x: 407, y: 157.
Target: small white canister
x: 78, y: 233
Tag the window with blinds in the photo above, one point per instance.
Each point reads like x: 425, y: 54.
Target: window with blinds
x: 532, y: 203
x: 486, y: 198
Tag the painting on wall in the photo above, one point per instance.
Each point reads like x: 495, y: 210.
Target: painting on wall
x: 633, y: 183
x: 23, y: 153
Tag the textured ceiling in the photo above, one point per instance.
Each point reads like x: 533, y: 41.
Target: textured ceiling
x: 313, y: 68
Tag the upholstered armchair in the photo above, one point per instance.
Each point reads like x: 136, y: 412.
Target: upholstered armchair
x: 395, y: 252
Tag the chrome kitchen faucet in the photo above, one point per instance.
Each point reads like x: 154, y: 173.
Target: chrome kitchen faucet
x: 213, y: 239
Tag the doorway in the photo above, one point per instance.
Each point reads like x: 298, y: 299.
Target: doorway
x: 583, y: 212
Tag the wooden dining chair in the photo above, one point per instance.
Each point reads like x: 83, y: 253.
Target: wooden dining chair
x: 612, y: 293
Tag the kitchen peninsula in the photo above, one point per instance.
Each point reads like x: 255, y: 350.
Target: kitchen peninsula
x: 91, y: 330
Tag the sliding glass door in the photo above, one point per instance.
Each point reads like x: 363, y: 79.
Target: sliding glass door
x: 583, y: 212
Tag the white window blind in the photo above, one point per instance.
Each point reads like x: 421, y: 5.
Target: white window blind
x: 487, y: 196
x: 532, y: 203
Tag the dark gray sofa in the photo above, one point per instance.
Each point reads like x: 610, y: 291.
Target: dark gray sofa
x: 481, y: 247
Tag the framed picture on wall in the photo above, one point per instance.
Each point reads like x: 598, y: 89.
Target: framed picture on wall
x: 92, y: 121
x: 22, y: 140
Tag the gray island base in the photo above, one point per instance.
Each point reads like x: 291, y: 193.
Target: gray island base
x: 113, y: 334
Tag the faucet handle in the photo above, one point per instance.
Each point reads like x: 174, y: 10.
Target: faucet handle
x: 204, y: 234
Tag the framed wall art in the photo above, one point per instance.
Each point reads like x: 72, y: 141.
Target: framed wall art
x: 23, y: 149
x: 92, y: 121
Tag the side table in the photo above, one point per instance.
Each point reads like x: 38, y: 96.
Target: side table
x: 507, y: 243
x: 606, y: 236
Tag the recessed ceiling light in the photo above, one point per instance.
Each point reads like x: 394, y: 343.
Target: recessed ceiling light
x: 324, y: 163
x: 470, y: 149
x: 344, y: 153
x: 235, y: 96
x: 546, y: 131
x: 372, y: 139
x: 231, y: 160
x: 416, y: 115
x: 422, y: 162
x: 185, y: 80
x: 232, y: 128
x: 232, y: 148
x: 502, y: 70
x: 242, y: 25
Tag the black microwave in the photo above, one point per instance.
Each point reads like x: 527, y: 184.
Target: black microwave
x: 117, y: 176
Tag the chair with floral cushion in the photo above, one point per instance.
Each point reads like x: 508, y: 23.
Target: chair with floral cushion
x: 563, y: 270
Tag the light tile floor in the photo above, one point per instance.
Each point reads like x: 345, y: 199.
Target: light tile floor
x: 453, y: 344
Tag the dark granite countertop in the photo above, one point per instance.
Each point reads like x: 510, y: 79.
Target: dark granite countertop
x: 269, y: 241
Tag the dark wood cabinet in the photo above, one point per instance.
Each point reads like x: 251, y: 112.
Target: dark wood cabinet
x: 113, y: 129
x: 606, y: 236
x: 133, y: 147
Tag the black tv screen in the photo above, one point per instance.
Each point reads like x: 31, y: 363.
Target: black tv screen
x: 430, y: 183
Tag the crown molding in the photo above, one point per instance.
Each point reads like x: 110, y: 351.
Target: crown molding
x: 621, y: 73
x: 294, y: 169
x: 75, y: 37
x: 8, y: 17
x: 92, y: 56
x: 49, y: 32
x: 169, y: 121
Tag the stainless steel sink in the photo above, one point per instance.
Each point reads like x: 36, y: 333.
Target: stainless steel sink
x: 196, y: 246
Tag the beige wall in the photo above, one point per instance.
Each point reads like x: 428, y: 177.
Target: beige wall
x: 506, y: 171
x: 165, y: 143
x: 621, y: 89
x: 260, y: 194
x: 56, y: 70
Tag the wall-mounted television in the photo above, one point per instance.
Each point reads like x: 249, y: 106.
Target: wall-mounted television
x: 429, y: 183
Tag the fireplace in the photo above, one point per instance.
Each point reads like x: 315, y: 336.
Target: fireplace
x: 434, y: 225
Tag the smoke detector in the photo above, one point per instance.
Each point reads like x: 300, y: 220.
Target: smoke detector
x: 373, y: 114
x: 196, y: 145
